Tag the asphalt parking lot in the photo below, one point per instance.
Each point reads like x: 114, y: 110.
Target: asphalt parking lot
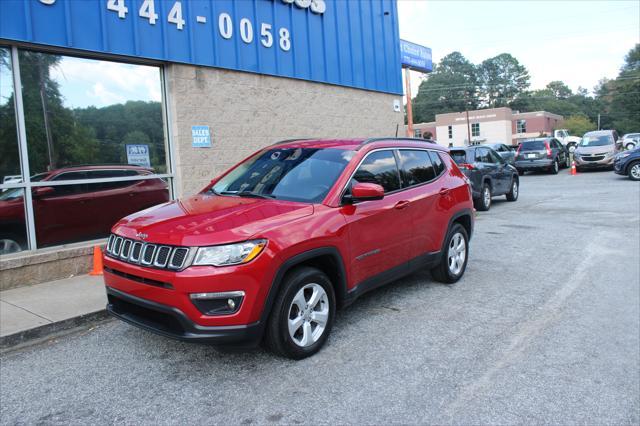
x: 543, y: 328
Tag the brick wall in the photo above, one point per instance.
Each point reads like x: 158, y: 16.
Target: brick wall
x: 248, y: 111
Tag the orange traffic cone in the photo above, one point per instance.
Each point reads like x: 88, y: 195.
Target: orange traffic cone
x: 573, y: 168
x: 97, y: 261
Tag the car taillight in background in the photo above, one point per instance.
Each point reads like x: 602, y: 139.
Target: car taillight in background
x: 518, y: 150
x: 546, y: 146
x: 466, y: 166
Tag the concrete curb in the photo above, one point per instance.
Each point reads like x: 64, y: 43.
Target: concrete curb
x: 46, y: 330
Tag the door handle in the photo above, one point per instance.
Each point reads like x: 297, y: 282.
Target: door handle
x: 444, y: 191
x: 402, y: 205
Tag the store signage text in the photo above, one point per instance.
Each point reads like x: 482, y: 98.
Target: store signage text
x: 200, y: 137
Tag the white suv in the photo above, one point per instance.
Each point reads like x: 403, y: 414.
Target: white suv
x: 630, y: 140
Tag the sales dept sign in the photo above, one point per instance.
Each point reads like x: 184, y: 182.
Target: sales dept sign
x: 200, y: 137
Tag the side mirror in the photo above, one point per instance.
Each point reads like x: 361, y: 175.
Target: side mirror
x: 43, y: 191
x: 366, y: 192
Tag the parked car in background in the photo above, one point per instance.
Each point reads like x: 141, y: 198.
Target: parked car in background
x: 630, y: 140
x: 596, y: 150
x: 272, y: 247
x: 542, y: 154
x: 58, y: 220
x: 507, y: 153
x: 490, y: 175
x: 565, y: 138
x: 628, y: 163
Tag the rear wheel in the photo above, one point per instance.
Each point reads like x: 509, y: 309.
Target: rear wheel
x: 10, y: 243
x: 520, y: 172
x: 303, y: 314
x: 555, y: 167
x: 567, y: 162
x: 484, y: 202
x: 634, y: 171
x: 512, y: 195
x: 630, y: 146
x: 454, y: 257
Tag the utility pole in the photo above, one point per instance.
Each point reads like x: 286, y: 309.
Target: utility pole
x: 466, y: 110
x: 407, y: 78
x: 598, y: 121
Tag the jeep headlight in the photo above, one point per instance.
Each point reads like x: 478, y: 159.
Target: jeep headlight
x: 229, y: 254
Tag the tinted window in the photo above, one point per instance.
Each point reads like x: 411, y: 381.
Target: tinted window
x: 495, y: 158
x: 532, y: 146
x: 459, y: 156
x: 438, y: 164
x: 295, y: 174
x: 415, y: 167
x: 379, y: 167
x: 482, y: 156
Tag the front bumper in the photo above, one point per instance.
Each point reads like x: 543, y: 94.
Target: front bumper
x: 533, y: 165
x: 607, y: 162
x: 171, y: 322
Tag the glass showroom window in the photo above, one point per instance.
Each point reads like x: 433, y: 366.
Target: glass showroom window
x: 475, y: 129
x: 12, y: 213
x: 95, y: 143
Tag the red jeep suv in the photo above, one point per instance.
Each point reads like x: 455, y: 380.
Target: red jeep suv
x: 274, y: 246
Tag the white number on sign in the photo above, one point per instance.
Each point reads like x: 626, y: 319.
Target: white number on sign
x: 225, y: 26
x: 267, y: 37
x: 148, y: 10
x: 285, y: 39
x: 118, y: 6
x: 48, y: 2
x: 318, y: 6
x: 175, y: 15
x: 246, y: 30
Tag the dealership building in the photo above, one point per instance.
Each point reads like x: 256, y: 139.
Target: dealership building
x: 110, y: 106
x: 494, y: 125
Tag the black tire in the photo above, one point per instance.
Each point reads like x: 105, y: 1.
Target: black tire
x: 633, y: 173
x: 483, y: 203
x: 567, y: 162
x: 520, y: 172
x: 630, y: 146
x: 277, y: 336
x: 555, y: 167
x: 442, y: 272
x: 11, y: 242
x: 513, y: 193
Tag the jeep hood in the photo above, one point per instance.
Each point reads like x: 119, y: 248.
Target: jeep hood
x: 210, y: 219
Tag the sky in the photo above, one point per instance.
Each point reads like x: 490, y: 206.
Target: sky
x: 578, y: 42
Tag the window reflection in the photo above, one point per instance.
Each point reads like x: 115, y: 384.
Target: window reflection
x: 9, y: 157
x: 84, y: 111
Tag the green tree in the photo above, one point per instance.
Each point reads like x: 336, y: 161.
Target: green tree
x: 559, y: 89
x: 453, y: 86
x: 502, y: 80
x: 624, y: 94
x: 578, y: 124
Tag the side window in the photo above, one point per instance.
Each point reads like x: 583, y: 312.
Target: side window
x: 415, y: 167
x: 62, y: 190
x: 482, y: 156
x: 379, y: 167
x: 438, y: 164
x: 104, y: 186
x: 495, y: 158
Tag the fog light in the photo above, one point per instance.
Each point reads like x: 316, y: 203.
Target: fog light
x: 222, y: 303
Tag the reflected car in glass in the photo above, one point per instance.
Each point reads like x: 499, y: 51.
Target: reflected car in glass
x: 77, y: 212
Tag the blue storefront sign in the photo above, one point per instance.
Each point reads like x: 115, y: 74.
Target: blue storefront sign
x: 415, y: 56
x: 349, y: 43
x: 138, y: 155
x: 200, y: 137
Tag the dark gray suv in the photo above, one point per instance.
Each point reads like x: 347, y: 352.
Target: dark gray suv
x: 489, y: 174
x: 542, y: 154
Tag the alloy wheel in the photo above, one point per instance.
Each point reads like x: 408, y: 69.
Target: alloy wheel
x: 308, y: 315
x: 9, y: 246
x: 457, y: 253
x: 635, y: 171
x: 514, y: 189
x: 486, y: 197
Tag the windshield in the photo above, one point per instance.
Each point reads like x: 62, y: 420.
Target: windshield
x: 596, y: 140
x: 293, y: 174
x: 460, y: 157
x: 11, y: 194
x: 532, y: 146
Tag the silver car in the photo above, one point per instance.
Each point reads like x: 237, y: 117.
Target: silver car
x: 630, y: 140
x: 596, y: 150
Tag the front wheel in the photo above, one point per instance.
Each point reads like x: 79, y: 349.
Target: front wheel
x: 512, y: 195
x: 634, y: 171
x: 484, y: 202
x: 567, y: 162
x: 571, y: 147
x: 630, y: 146
x: 303, y: 314
x: 454, y: 257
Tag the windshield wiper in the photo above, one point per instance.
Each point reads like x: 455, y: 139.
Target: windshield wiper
x: 247, y: 194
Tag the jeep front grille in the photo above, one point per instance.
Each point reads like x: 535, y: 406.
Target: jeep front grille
x: 148, y: 254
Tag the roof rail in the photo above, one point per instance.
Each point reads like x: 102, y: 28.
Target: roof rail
x: 290, y: 140
x: 372, y: 140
